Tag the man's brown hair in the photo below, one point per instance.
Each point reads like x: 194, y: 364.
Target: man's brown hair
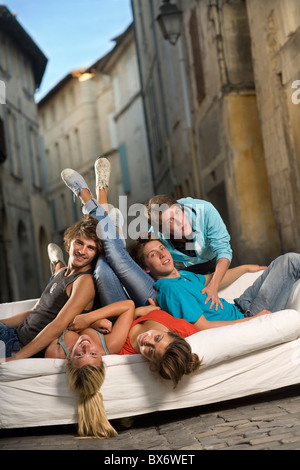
x: 156, y: 206
x: 85, y: 228
x: 136, y: 249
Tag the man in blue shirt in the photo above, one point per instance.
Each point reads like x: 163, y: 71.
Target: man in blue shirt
x: 194, y: 233
x: 181, y: 293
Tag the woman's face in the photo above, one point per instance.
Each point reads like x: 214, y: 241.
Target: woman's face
x: 153, y: 344
x: 174, y: 222
x: 85, y: 351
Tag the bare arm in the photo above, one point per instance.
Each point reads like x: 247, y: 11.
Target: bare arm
x: 86, y: 320
x: 234, y: 273
x: 16, y: 320
x: 203, y: 324
x: 229, y: 277
x: 82, y: 294
x: 212, y: 286
x: 115, y: 340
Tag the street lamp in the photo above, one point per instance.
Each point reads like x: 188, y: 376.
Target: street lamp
x: 169, y: 20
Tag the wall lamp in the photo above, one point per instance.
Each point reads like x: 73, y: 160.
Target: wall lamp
x: 169, y: 20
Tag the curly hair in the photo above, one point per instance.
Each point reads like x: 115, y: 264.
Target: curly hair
x: 178, y: 360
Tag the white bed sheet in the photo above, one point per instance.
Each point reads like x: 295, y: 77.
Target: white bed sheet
x: 243, y: 359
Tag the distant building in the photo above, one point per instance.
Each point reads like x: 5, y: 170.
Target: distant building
x: 24, y: 211
x: 222, y: 121
x: 93, y: 112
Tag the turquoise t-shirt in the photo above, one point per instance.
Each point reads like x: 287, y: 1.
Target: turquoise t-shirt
x: 182, y: 298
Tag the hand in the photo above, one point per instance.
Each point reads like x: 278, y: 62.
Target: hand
x: 153, y: 301
x: 104, y: 326
x: 141, y: 311
x: 212, y: 295
x: 79, y: 323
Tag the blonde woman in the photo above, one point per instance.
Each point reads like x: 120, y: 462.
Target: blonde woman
x: 85, y: 369
x: 156, y: 335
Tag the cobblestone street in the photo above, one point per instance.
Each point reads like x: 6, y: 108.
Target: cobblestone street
x: 263, y: 422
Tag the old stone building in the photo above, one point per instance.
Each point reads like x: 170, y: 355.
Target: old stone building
x: 275, y: 40
x: 24, y: 214
x: 221, y: 122
x: 97, y: 111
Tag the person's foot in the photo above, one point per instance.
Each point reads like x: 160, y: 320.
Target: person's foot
x: 102, y: 172
x: 55, y: 256
x: 74, y: 181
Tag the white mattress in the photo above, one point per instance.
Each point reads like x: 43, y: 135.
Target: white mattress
x: 242, y: 359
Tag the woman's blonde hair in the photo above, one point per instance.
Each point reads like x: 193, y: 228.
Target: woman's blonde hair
x: 92, y: 420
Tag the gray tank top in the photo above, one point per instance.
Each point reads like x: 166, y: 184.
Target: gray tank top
x: 51, y: 302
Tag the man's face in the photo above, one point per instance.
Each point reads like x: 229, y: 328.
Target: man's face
x: 174, y: 222
x: 82, y: 251
x: 158, y: 260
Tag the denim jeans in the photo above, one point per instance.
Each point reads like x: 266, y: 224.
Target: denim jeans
x: 272, y: 289
x: 10, y: 339
x: 116, y: 274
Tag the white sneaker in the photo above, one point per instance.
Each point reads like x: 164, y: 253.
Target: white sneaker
x: 74, y: 181
x: 55, y: 256
x: 102, y: 172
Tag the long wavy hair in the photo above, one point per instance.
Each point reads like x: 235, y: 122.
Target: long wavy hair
x: 87, y: 381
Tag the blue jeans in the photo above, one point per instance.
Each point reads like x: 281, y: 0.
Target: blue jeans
x: 116, y: 274
x: 9, y: 337
x: 272, y: 289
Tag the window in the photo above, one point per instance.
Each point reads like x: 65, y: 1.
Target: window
x: 197, y: 57
x: 14, y: 149
x: 2, y: 142
x: 34, y: 156
x: 3, y: 54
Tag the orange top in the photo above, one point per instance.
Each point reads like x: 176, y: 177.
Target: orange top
x: 180, y: 326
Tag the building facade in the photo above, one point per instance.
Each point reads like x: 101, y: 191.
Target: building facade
x: 24, y: 211
x: 222, y: 123
x: 92, y: 112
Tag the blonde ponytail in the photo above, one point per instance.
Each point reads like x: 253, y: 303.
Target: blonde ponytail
x: 92, y: 420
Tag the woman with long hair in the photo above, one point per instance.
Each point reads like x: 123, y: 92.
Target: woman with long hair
x: 156, y: 335
x: 84, y: 367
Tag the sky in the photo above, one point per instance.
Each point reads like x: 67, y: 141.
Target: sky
x: 71, y: 33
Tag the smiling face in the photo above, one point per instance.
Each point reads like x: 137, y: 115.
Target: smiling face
x: 175, y: 223
x: 153, y: 344
x: 85, y: 351
x: 158, y: 260
x: 82, y: 252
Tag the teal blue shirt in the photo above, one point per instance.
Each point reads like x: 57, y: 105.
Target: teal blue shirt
x: 182, y: 298
x: 210, y: 237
